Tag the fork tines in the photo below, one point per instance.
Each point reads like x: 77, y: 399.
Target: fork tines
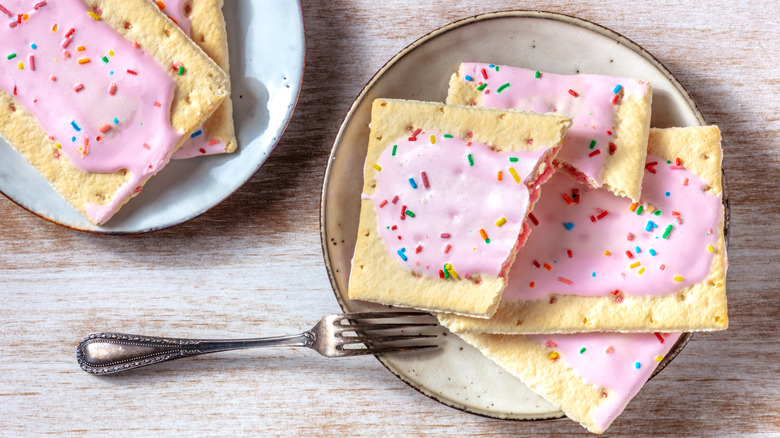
x: 362, y: 326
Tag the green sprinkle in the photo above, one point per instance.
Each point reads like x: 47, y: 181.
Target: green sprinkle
x: 395, y: 148
x: 181, y: 70
x: 447, y: 136
x: 471, y: 160
x: 583, y: 350
x: 592, y: 144
x: 667, y: 231
x: 105, y: 59
x: 446, y: 272
x: 668, y: 161
x: 12, y: 56
x: 487, y: 241
x: 537, y: 75
x: 409, y: 213
x: 513, y: 159
x: 502, y: 88
x: 480, y: 88
x: 496, y: 68
x: 640, y: 210
x: 657, y: 212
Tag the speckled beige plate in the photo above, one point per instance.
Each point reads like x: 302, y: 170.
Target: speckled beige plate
x: 458, y: 375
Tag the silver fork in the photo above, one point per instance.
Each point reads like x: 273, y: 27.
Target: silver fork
x: 346, y: 334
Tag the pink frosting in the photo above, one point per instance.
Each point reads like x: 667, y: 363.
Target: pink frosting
x: 618, y: 363
x: 199, y: 143
x: 588, y: 99
x: 429, y: 221
x: 641, y: 262
x: 108, y: 114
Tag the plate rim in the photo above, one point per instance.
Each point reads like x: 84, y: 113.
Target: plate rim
x: 282, y: 128
x: 507, y: 14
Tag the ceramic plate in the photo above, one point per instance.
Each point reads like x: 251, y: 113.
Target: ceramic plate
x: 456, y: 374
x: 266, y: 68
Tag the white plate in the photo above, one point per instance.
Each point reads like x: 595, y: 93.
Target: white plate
x: 266, y: 41
x: 456, y: 374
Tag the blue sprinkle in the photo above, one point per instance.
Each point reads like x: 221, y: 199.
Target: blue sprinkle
x: 111, y: 73
x: 468, y: 78
x: 34, y: 46
x: 414, y: 184
x: 116, y: 121
x: 638, y: 365
x: 401, y: 254
x: 650, y: 225
x: 568, y: 225
x: 593, y: 274
x: 652, y: 252
x: 491, y: 65
x: 73, y: 139
x: 668, y: 194
x: 638, y: 250
x: 197, y: 133
x: 617, y: 89
x: 75, y: 126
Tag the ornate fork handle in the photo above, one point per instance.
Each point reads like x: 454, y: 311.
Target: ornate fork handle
x: 105, y: 353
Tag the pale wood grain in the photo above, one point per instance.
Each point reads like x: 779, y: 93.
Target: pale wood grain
x: 253, y: 265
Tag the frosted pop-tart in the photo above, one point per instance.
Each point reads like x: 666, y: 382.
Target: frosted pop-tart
x: 607, y: 143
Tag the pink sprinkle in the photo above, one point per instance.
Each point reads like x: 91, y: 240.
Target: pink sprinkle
x: 484, y: 74
x: 630, y: 236
x: 663, y: 267
x: 403, y: 212
x: 137, y: 190
x: 105, y: 128
x: 66, y: 42
x: 573, y: 93
x: 602, y: 214
x: 414, y: 134
x: 565, y: 281
x: 213, y: 142
x: 158, y: 104
x: 132, y: 72
x: 569, y: 253
x: 70, y: 32
x: 53, y: 78
x: 147, y: 147
x: 447, y: 248
x: 65, y: 54
x: 418, y: 249
x: 424, y: 176
x: 39, y: 5
x: 202, y: 151
x: 6, y: 11
x: 660, y: 338
x: 383, y: 203
x: 394, y: 227
x: 445, y: 235
x: 135, y: 44
x: 609, y: 350
x: 677, y: 168
x: 594, y: 153
x: 550, y: 344
x: 395, y: 199
x: 685, y: 182
x: 32, y: 62
x: 533, y: 218
x: 78, y: 87
x: 112, y: 89
x: 13, y: 24
x: 615, y: 99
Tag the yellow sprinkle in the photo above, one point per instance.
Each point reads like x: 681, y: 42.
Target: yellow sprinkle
x: 433, y: 139
x: 606, y: 253
x: 659, y: 358
x: 110, y: 53
x: 710, y: 248
x: 58, y: 146
x: 94, y: 15
x: 634, y: 265
x: 678, y: 278
x: 514, y: 174
x: 633, y: 206
x: 21, y: 66
x: 84, y: 61
x: 451, y: 270
x: 641, y: 271
x: 553, y: 355
x: 501, y: 221
x: 378, y: 167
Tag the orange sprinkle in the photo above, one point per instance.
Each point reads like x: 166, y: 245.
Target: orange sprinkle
x: 532, y: 284
x: 160, y: 5
x: 105, y: 128
x: 606, y: 253
x: 158, y: 104
x: 633, y: 206
x: 483, y: 234
x: 81, y: 48
x: 84, y: 61
x: 500, y: 175
x: 609, y: 350
x: 548, y: 267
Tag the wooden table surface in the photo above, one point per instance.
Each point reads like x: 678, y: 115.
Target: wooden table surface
x: 254, y: 265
